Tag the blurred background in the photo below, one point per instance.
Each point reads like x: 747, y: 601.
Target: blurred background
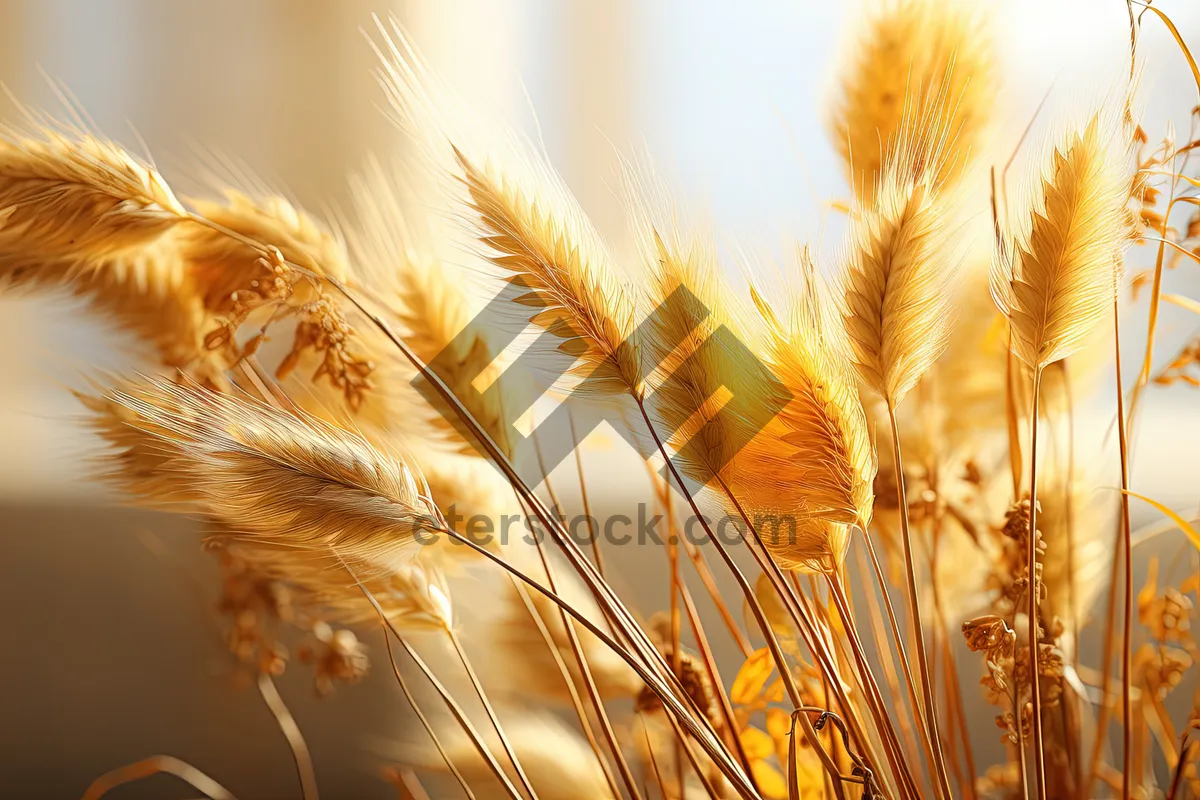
x: 111, y: 654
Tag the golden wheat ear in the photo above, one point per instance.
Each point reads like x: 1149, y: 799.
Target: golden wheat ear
x: 899, y: 266
x: 927, y: 54
x: 280, y: 477
x: 812, y: 466
x: 526, y: 223
x: 428, y: 298
x: 79, y: 212
x: 709, y: 387
x: 1056, y: 278
x: 77, y: 198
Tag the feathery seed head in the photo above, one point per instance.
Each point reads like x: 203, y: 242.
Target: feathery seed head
x: 928, y: 58
x: 65, y: 198
x: 1056, y: 278
x: 813, y: 464
x: 530, y: 227
x: 284, y: 478
x: 434, y: 311
x: 895, y: 284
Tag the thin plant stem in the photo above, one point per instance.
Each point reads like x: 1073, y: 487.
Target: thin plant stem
x: 409, y: 785
x: 1177, y: 776
x: 902, y: 654
x: 1070, y: 701
x: 589, y: 683
x: 577, y: 703
x: 291, y: 731
x: 585, y: 669
x: 875, y: 614
x: 1110, y: 625
x: 1033, y: 590
x: 709, y: 789
x: 488, y: 709
x: 940, y: 778
x: 710, y: 585
x: 433, y: 737
x: 459, y: 715
x: 583, y: 498
x: 870, y: 685
x: 1127, y: 550
x: 676, y: 587
x: 455, y: 709
x: 658, y: 778
x: 953, y: 689
x: 714, y: 677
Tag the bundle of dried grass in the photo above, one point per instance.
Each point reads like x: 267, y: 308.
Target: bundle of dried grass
x: 321, y: 522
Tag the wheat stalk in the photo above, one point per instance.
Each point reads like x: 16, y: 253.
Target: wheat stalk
x: 1055, y: 282
x: 897, y: 309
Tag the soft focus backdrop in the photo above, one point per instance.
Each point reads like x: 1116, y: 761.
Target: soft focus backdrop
x: 110, y: 654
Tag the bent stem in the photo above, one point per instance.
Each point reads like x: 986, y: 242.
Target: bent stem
x: 455, y: 709
x: 155, y: 765
x: 1039, y: 760
x: 941, y: 779
x: 927, y: 742
x: 589, y: 683
x: 576, y: 702
x: 291, y: 731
